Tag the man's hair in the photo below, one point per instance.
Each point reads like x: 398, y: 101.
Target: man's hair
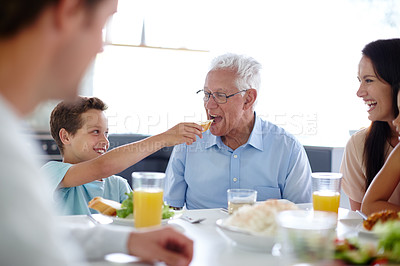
x: 67, y: 115
x: 246, y: 68
x: 18, y: 14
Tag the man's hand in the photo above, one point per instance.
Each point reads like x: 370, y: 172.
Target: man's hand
x: 163, y: 244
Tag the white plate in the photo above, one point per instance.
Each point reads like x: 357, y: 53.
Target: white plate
x: 130, y: 222
x: 246, y: 240
x: 123, y: 221
x: 305, y: 206
x: 364, y: 232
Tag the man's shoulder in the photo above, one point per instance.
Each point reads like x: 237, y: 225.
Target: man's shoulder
x: 270, y: 129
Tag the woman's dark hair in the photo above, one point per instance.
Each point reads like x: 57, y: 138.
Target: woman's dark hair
x: 385, y: 57
x: 17, y: 14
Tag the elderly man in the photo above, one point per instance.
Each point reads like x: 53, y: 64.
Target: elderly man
x: 240, y: 150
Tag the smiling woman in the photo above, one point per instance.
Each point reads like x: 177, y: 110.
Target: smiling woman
x: 368, y: 149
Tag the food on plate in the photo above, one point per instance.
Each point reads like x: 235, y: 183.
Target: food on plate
x: 259, y: 218
x: 104, y: 206
x: 124, y: 209
x: 387, y: 251
x: 167, y: 212
x: 206, y: 125
x: 382, y: 217
x: 351, y: 252
x: 126, y: 206
x: 389, y: 240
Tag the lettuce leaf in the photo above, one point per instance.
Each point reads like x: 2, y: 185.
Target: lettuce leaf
x: 389, y: 239
x: 351, y: 252
x: 127, y: 208
x: 166, y: 212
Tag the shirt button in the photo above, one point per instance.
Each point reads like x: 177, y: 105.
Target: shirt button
x: 235, y: 156
x: 235, y: 179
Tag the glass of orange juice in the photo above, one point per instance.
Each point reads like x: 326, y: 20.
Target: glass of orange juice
x: 326, y: 191
x: 147, y: 198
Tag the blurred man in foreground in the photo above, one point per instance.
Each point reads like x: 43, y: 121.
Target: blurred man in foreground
x: 45, y: 47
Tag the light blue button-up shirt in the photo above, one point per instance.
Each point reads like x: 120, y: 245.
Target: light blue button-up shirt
x: 273, y: 162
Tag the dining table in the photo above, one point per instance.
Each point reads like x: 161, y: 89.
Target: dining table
x: 211, y: 246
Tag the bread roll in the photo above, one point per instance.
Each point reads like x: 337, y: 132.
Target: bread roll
x: 105, y: 206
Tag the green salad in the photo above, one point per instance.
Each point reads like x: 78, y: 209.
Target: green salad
x: 387, y: 251
x: 389, y: 239
x: 127, y: 208
x: 352, y: 252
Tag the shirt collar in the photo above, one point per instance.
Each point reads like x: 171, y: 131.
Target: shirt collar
x: 212, y: 141
x: 255, y: 139
x: 256, y: 136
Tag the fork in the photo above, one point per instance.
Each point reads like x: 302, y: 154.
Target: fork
x: 100, y: 219
x: 192, y: 220
x: 91, y: 218
x: 365, y: 217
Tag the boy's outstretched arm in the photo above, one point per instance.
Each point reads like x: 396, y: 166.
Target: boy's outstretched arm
x: 120, y: 158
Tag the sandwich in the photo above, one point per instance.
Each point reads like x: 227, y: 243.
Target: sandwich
x: 105, y: 206
x: 124, y: 209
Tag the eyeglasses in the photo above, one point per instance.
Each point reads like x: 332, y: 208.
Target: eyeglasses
x: 219, y: 97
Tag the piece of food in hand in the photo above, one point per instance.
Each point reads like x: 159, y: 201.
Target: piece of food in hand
x: 381, y: 217
x: 260, y: 218
x: 206, y: 125
x: 105, y: 206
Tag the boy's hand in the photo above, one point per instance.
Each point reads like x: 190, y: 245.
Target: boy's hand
x: 182, y: 132
x: 163, y: 244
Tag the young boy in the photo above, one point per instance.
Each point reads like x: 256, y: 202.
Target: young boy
x: 80, y: 129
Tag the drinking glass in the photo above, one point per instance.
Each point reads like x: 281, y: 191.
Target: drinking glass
x: 239, y: 197
x: 306, y: 236
x: 326, y: 191
x: 147, y: 198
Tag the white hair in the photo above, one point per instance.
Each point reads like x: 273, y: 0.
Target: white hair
x: 247, y: 69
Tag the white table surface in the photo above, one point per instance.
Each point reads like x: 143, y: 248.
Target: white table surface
x: 212, y: 248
